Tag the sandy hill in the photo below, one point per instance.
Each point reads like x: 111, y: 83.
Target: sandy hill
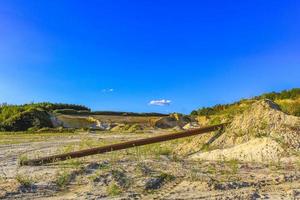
x: 262, y: 132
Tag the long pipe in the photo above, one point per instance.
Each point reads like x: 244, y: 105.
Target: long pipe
x: 120, y: 146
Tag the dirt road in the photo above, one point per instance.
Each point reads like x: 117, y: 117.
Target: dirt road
x: 150, y: 172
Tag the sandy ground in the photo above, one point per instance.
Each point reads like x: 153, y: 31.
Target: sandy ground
x: 140, y: 173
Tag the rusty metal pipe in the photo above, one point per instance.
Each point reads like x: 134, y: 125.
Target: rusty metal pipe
x: 120, y: 146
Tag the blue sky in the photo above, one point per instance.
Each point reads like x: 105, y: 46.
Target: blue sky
x: 121, y: 55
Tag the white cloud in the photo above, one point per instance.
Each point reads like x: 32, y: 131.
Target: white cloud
x: 161, y: 102
x: 108, y: 90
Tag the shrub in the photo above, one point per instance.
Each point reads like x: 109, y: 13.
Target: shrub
x: 290, y: 107
x: 113, y: 190
x: 32, y: 118
x: 24, y: 181
x: 63, y: 179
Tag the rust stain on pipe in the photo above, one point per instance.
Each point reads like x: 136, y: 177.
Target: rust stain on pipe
x: 123, y: 145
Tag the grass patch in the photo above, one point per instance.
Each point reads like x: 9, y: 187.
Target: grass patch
x: 23, y: 159
x: 152, y: 150
x: 24, y: 181
x: 166, y: 177
x: 8, y: 138
x: 211, y: 169
x: 74, y: 163
x: 121, y: 178
x: 113, y: 190
x: 233, y: 165
x: 63, y: 179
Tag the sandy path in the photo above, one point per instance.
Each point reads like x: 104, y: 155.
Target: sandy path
x: 9, y: 154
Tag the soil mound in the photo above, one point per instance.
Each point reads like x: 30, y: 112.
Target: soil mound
x: 172, y: 121
x: 256, y: 150
x: 263, y: 119
x: 132, y: 128
x: 261, y: 132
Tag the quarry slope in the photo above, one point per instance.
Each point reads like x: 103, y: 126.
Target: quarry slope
x: 261, y: 133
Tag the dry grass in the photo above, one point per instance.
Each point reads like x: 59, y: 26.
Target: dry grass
x: 7, y: 138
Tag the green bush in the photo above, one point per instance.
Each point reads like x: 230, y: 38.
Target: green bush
x: 63, y: 179
x: 292, y: 108
x: 29, y: 119
x: 55, y: 106
x: 32, y: 116
x: 113, y: 190
x: 285, y: 94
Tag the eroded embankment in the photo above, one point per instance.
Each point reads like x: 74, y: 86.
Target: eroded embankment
x: 261, y: 133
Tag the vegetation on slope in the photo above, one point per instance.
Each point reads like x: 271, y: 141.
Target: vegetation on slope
x: 288, y: 100
x: 31, y: 116
x: 38, y: 115
x: 108, y: 113
x: 28, y: 119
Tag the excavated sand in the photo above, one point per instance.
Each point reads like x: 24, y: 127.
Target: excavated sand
x: 256, y: 150
x: 261, y: 133
x: 193, y: 144
x: 263, y: 119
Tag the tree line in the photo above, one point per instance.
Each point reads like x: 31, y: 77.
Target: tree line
x: 285, y: 94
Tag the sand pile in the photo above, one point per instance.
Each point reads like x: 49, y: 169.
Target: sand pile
x: 256, y: 150
x: 194, y: 144
x: 263, y: 119
x: 263, y: 132
x: 172, y: 121
x: 131, y: 128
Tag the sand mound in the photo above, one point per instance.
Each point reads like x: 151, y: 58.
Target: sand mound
x: 193, y: 144
x: 172, y: 121
x: 263, y: 119
x: 256, y: 150
x: 261, y: 132
x: 132, y: 128
x: 191, y: 125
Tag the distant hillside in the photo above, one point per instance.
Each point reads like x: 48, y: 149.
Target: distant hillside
x: 109, y: 113
x: 31, y: 116
x: 38, y: 115
x: 288, y: 100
